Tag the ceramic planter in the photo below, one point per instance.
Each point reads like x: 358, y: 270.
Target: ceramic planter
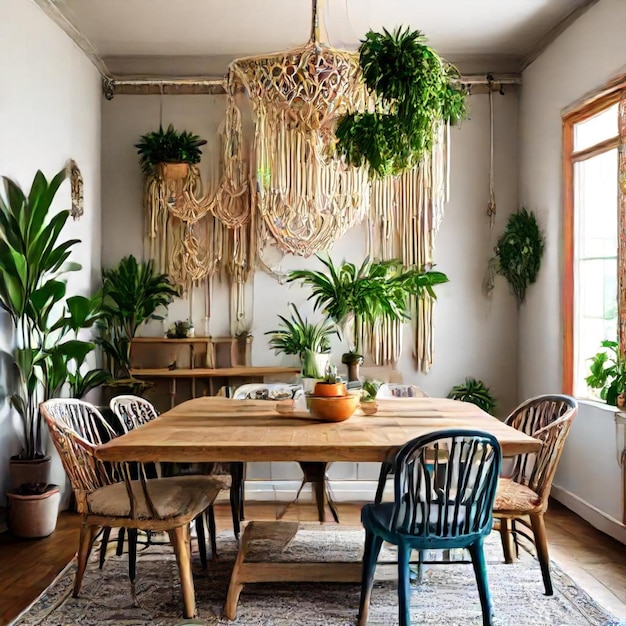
x: 329, y: 389
x: 173, y: 171
x: 33, y: 516
x: 28, y: 471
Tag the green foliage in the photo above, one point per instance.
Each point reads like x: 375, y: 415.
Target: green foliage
x: 132, y: 293
x: 476, y: 392
x: 32, y: 263
x: 297, y: 335
x: 414, y: 91
x: 519, y: 251
x: 168, y: 146
x: 370, y: 389
x: 608, y: 372
x: 377, y: 290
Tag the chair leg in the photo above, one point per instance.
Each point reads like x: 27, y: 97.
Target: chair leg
x: 373, y: 544
x: 404, y: 585
x: 180, y: 542
x: 237, y: 472
x: 541, y: 543
x: 103, y: 546
x: 87, y: 535
x: 120, y: 542
x: 132, y: 562
x: 506, y: 537
x: 385, y: 470
x: 480, y: 570
x: 210, y: 513
x: 199, y: 522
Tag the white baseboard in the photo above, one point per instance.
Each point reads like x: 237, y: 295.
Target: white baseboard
x: 285, y: 490
x: 597, y: 518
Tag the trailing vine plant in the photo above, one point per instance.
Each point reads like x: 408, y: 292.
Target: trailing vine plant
x: 414, y: 90
x: 518, y: 253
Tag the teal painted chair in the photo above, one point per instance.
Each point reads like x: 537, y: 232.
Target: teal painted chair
x: 444, y: 488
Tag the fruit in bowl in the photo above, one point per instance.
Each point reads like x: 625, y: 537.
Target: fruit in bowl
x: 334, y: 409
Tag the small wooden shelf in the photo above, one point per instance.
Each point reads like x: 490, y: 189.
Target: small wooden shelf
x: 191, y: 352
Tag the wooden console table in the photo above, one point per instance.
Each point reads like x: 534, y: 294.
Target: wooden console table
x: 245, y: 373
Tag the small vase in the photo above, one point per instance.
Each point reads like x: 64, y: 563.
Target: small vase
x: 353, y: 361
x: 621, y: 400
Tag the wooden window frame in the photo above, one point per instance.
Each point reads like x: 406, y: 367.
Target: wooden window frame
x: 590, y: 105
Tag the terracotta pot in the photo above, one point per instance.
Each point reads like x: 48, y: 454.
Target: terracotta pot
x: 28, y: 471
x: 335, y: 409
x: 329, y: 389
x: 34, y: 516
x: 173, y: 171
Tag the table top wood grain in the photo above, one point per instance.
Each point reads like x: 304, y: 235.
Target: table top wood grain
x: 220, y: 429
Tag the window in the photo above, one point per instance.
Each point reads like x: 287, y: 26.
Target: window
x: 592, y: 254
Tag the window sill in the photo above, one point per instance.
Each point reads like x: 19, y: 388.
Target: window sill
x: 619, y: 415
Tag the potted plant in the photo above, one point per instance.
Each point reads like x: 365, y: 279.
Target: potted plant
x: 476, y: 392
x: 32, y: 264
x: 518, y: 253
x: 330, y: 385
x: 368, y: 396
x: 132, y: 293
x: 169, y: 153
x: 358, y: 298
x: 181, y: 329
x: 311, y: 342
x: 608, y: 374
x: 413, y: 91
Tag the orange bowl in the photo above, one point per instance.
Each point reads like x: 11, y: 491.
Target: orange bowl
x: 335, y: 409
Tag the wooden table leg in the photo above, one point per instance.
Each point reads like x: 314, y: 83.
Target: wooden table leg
x: 315, y: 473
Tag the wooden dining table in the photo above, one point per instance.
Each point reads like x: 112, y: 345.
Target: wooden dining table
x: 213, y: 429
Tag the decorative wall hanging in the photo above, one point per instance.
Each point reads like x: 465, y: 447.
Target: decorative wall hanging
x: 76, y: 184
x: 406, y: 212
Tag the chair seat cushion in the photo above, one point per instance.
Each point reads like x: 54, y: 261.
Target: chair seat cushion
x: 171, y: 497
x: 511, y: 496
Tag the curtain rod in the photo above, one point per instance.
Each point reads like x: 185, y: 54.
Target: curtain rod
x: 215, y: 86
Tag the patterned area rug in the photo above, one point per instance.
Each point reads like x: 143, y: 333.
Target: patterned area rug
x: 446, y: 595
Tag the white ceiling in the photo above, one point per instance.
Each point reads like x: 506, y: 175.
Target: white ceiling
x: 200, y: 37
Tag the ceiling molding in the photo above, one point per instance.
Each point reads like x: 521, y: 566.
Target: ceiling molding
x: 52, y: 10
x: 555, y: 31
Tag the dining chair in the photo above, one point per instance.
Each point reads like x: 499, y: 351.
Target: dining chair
x: 314, y: 472
x: 444, y: 488
x: 109, y: 496
x: 525, y: 492
x: 400, y: 390
x: 133, y: 411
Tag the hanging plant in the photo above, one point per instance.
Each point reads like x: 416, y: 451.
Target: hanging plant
x: 518, y: 252
x: 414, y: 91
x: 168, y: 146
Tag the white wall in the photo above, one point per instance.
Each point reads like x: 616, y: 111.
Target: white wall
x: 583, y: 58
x: 473, y: 335
x: 49, y: 113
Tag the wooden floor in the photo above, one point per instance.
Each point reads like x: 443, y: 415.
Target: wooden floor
x: 596, y: 562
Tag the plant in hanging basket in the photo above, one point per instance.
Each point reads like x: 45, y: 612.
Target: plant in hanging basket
x: 168, y: 146
x: 518, y: 252
x: 414, y: 90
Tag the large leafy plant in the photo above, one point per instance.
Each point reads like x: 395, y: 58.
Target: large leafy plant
x: 414, y: 91
x: 607, y: 372
x: 132, y: 294
x: 169, y: 146
x: 519, y: 251
x: 32, y: 264
x: 475, y: 392
x: 375, y: 291
x: 297, y: 335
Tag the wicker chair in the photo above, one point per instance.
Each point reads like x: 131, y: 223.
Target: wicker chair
x: 133, y: 411
x: 524, y: 494
x: 313, y: 471
x: 444, y: 487
x: 110, y: 497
